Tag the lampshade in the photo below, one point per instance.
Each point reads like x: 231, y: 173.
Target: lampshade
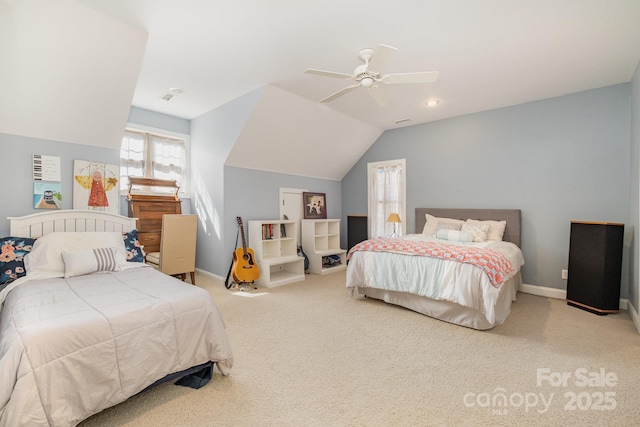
x: 394, y: 217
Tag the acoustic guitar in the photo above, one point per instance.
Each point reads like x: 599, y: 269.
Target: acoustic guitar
x: 244, y: 268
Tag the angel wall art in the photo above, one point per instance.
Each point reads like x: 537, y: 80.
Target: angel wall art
x: 95, y: 186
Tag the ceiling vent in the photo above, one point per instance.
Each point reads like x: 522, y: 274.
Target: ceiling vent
x: 402, y: 121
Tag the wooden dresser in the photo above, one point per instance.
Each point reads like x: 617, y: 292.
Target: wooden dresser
x: 148, y: 207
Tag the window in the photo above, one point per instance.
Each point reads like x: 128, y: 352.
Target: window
x: 387, y: 188
x: 150, y: 155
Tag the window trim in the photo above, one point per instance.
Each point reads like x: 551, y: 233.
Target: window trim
x: 403, y: 190
x: 185, y: 189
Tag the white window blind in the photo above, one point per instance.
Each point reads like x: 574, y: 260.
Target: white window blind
x: 386, y: 184
x: 148, y: 155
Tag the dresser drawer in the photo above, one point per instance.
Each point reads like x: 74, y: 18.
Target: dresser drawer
x: 150, y: 241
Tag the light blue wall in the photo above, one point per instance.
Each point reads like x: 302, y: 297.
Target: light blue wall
x: 212, y: 137
x: 152, y: 119
x: 17, y: 189
x: 559, y: 159
x: 17, y: 152
x: 254, y: 195
x: 634, y: 193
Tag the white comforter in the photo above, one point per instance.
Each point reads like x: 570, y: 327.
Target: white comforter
x: 439, y: 279
x: 70, y: 348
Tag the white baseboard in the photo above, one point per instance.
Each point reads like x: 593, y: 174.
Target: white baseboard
x: 554, y: 293
x: 207, y: 273
x: 634, y: 317
x: 543, y: 291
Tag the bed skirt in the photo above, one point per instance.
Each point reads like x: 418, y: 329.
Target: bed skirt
x: 449, y: 311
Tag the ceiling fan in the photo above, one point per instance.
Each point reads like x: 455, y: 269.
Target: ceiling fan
x: 368, y: 75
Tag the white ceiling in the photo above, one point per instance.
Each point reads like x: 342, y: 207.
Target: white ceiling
x: 71, y: 69
x: 490, y: 53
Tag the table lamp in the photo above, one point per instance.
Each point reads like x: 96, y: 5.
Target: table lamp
x: 394, y: 218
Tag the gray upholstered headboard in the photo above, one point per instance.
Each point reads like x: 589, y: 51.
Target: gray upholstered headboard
x: 512, y: 216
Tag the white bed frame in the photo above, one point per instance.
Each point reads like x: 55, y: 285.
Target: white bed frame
x: 39, y: 224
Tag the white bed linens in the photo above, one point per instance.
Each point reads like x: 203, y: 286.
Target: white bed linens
x: 70, y: 348
x: 439, y: 279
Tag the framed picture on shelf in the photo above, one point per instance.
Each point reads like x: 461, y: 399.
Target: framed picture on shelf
x: 314, y: 205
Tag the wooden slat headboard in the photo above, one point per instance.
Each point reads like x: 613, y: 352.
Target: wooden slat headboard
x: 512, y: 216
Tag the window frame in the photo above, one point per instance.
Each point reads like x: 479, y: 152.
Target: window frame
x: 185, y: 187
x: 402, y: 195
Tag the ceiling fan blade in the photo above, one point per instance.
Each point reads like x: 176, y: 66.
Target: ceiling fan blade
x: 379, y: 94
x: 384, y: 54
x: 340, y: 93
x: 329, y: 74
x: 400, y: 78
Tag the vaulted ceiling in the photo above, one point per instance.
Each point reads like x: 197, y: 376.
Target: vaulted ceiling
x: 72, y: 68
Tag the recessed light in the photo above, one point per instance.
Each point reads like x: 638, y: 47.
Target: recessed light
x: 432, y: 102
x: 176, y: 90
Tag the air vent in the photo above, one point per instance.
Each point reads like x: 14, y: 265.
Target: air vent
x: 173, y: 91
x: 402, y: 121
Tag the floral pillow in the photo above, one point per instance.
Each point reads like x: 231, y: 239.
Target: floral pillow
x: 13, y: 250
x: 135, y: 252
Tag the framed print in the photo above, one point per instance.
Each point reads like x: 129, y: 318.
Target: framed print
x: 95, y: 186
x: 314, y: 205
x: 47, y: 195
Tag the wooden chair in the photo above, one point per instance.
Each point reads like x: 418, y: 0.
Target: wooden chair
x: 177, y: 255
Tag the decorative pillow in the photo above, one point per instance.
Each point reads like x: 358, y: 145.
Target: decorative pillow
x: 456, y: 235
x: 432, y: 222
x: 79, y: 263
x: 13, y: 251
x: 135, y: 251
x: 46, y: 256
x: 446, y: 225
x: 496, y: 228
x: 479, y: 231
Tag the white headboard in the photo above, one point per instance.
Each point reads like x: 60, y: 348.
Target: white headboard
x: 39, y: 224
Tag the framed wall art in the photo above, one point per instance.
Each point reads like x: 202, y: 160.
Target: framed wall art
x: 95, y: 186
x: 47, y: 195
x: 314, y: 205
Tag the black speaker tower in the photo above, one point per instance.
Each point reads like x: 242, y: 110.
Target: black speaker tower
x: 595, y: 266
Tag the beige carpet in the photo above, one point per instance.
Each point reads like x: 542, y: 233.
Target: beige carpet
x: 307, y: 354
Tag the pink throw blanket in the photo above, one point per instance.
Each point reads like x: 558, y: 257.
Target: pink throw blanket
x: 493, y: 263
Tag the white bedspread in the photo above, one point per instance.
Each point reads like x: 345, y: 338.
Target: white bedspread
x: 439, y: 279
x: 70, y: 348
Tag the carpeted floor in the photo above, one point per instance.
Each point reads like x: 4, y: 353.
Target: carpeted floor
x: 307, y: 354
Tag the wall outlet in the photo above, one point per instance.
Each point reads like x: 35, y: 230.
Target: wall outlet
x: 565, y: 274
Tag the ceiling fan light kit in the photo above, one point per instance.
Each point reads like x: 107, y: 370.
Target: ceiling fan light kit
x: 368, y: 75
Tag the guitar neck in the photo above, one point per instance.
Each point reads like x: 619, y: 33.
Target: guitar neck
x: 244, y: 241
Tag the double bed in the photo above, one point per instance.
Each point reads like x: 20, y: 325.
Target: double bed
x: 462, y: 266
x: 89, y: 325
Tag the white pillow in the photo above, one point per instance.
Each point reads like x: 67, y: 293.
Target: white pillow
x: 79, y: 263
x: 446, y: 225
x: 432, y: 222
x: 479, y: 231
x: 456, y: 235
x: 496, y: 228
x: 46, y: 255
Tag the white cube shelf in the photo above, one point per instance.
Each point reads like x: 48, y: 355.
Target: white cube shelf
x: 274, y: 244
x: 321, y: 238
